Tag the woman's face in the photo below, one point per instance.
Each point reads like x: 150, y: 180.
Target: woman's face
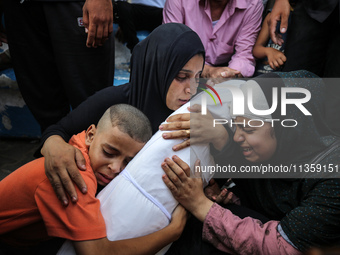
x: 185, y: 83
x: 257, y: 144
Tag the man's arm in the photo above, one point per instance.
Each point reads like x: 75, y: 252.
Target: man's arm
x: 275, y: 57
x: 149, y: 244
x: 280, y: 12
x: 243, y: 59
x: 172, y: 12
x: 98, y: 21
x: 213, y: 72
x: 259, y: 50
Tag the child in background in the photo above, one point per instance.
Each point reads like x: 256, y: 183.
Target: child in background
x: 30, y: 213
x: 270, y: 56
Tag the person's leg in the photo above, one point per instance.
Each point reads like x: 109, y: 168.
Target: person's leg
x: 127, y: 24
x: 83, y: 70
x: 33, y: 61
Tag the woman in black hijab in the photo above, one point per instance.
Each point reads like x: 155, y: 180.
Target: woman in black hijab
x: 302, y: 204
x: 163, y: 68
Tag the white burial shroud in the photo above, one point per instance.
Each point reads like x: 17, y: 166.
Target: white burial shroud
x: 137, y: 202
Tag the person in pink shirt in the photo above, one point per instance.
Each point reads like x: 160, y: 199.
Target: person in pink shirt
x: 227, y: 28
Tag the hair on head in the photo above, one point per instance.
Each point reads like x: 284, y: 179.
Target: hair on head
x: 129, y: 120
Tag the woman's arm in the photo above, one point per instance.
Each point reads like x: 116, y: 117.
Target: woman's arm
x: 195, y: 128
x: 149, y: 244
x: 63, y: 160
x: 225, y: 231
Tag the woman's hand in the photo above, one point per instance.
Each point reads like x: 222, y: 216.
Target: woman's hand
x: 62, y: 161
x: 195, y: 128
x: 188, y: 191
x: 181, y: 124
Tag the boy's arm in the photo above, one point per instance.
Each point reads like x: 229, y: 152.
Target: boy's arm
x: 259, y: 50
x: 275, y: 57
x: 149, y: 244
x: 280, y: 12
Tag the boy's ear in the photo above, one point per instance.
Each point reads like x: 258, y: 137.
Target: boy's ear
x: 89, y: 134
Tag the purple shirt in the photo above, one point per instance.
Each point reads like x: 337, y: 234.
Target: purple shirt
x: 230, y: 42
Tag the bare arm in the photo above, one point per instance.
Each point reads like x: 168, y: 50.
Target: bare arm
x: 60, y: 155
x: 280, y: 12
x: 259, y: 50
x: 275, y: 57
x: 98, y: 21
x: 149, y: 244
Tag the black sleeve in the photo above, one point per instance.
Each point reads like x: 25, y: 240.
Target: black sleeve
x: 88, y: 112
x: 315, y: 222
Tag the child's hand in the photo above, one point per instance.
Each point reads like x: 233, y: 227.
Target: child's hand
x: 61, y: 167
x: 191, y: 127
x: 179, y: 215
x: 276, y: 58
x: 179, y: 218
x: 179, y: 124
x: 218, y: 73
x: 280, y: 12
x: 186, y: 189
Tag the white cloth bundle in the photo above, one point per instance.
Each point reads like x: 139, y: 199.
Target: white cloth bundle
x: 137, y: 202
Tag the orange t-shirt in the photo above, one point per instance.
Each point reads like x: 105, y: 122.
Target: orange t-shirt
x: 30, y: 211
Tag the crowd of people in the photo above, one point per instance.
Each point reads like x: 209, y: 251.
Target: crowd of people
x: 91, y: 130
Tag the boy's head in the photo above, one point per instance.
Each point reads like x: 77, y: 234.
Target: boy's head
x: 120, y: 134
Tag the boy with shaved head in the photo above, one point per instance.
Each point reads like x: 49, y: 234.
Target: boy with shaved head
x: 30, y: 213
